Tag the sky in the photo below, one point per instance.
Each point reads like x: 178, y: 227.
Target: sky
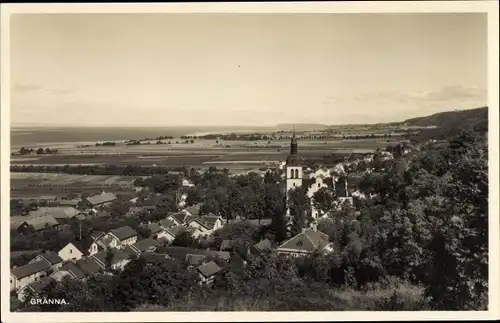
x: 234, y: 69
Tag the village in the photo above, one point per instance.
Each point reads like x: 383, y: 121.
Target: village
x: 106, y: 253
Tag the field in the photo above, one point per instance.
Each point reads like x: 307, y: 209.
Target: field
x: 202, y: 153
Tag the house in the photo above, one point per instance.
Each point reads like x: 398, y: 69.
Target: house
x: 187, y: 183
x: 144, y: 245
x: 305, y: 243
x: 89, y: 266
x: 159, y: 259
x: 99, y: 200
x: 136, y: 210
x: 118, y: 238
x: 73, y: 202
x: 63, y: 215
x: 27, y: 274
x: 167, y: 224
x: 38, y: 224
x: 180, y: 218
x: 261, y: 246
x: 227, y: 245
x: 193, y: 210
x: 157, y: 231
x: 207, y: 272
x: 69, y: 269
x: 118, y: 260
x: 206, y: 224
x: 95, y: 235
x: 34, y: 288
x: 51, y: 258
x: 172, y: 232
x: 195, y: 260
x: 77, y: 249
x: 219, y: 255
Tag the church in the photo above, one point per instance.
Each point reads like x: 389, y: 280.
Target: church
x: 295, y: 178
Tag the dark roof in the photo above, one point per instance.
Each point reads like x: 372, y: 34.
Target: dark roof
x: 73, y: 202
x: 73, y: 269
x: 341, y: 189
x: 209, y: 269
x: 207, y: 221
x: 227, y: 244
x: 195, y: 260
x: 58, y: 212
x: 101, y: 198
x: 154, y: 228
x: 96, y: 234
x: 42, y: 222
x: 123, y: 233
x: 263, y: 222
x: 179, y: 229
x: 83, y: 245
x: 307, y: 241
x: 88, y: 265
x: 52, y: 257
x: 145, y: 244
x: 118, y: 255
x: 194, y: 209
x: 167, y: 223
x: 39, y: 285
x: 180, y: 217
x: 180, y: 253
x: 293, y: 160
x: 264, y: 245
x: 224, y: 255
x: 30, y: 269
x: 308, y: 182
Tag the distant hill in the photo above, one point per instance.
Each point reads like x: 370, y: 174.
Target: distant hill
x: 451, y: 123
x: 301, y: 126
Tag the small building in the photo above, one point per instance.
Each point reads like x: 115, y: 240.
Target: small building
x: 63, y: 215
x: 38, y: 224
x: 207, y: 272
x: 103, y: 199
x: 119, y: 259
x: 144, y: 245
x: 51, y: 258
x: 34, y: 288
x: 78, y: 249
x: 173, y: 232
x: 118, y: 238
x: 89, y: 266
x: 227, y: 245
x: 27, y: 274
x: 69, y: 269
x: 180, y: 218
x: 157, y: 231
x: 306, y: 243
x: 261, y: 246
x: 194, y: 260
x: 73, y: 202
x: 206, y: 224
x: 193, y: 210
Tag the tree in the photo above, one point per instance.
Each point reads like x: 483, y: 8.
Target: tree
x: 300, y: 209
x: 183, y: 239
x: 324, y: 200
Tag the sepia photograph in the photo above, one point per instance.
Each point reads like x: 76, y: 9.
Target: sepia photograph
x: 248, y: 161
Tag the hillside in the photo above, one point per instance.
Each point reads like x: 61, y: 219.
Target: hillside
x: 451, y: 123
x: 475, y: 117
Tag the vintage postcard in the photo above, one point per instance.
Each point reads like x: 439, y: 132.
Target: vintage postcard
x: 249, y: 162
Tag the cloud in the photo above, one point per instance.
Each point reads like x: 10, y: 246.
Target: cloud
x: 60, y: 91
x: 26, y: 88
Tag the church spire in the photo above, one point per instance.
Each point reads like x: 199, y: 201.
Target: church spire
x: 293, y: 145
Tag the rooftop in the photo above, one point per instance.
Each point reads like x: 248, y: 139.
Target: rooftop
x: 307, y: 241
x: 101, y: 198
x: 210, y: 269
x: 30, y: 269
x: 123, y: 233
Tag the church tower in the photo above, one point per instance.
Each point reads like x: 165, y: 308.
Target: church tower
x: 293, y: 167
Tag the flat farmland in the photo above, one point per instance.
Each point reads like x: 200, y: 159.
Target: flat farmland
x: 202, y: 152
x: 23, y: 180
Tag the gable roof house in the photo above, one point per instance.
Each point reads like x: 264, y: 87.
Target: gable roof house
x: 27, y: 274
x: 89, y: 266
x: 207, y: 272
x: 180, y: 218
x: 78, y: 249
x: 118, y: 238
x: 206, y: 224
x: 69, y: 269
x: 38, y: 224
x: 306, y: 242
x: 144, y: 245
x: 98, y: 200
x: 34, y: 288
x: 50, y: 257
x: 118, y: 260
x: 63, y: 215
x: 261, y: 246
x: 193, y: 210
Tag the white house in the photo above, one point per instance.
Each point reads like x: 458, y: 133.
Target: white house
x: 118, y: 238
x: 118, y: 260
x: 77, y: 249
x: 206, y: 224
x: 305, y: 243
